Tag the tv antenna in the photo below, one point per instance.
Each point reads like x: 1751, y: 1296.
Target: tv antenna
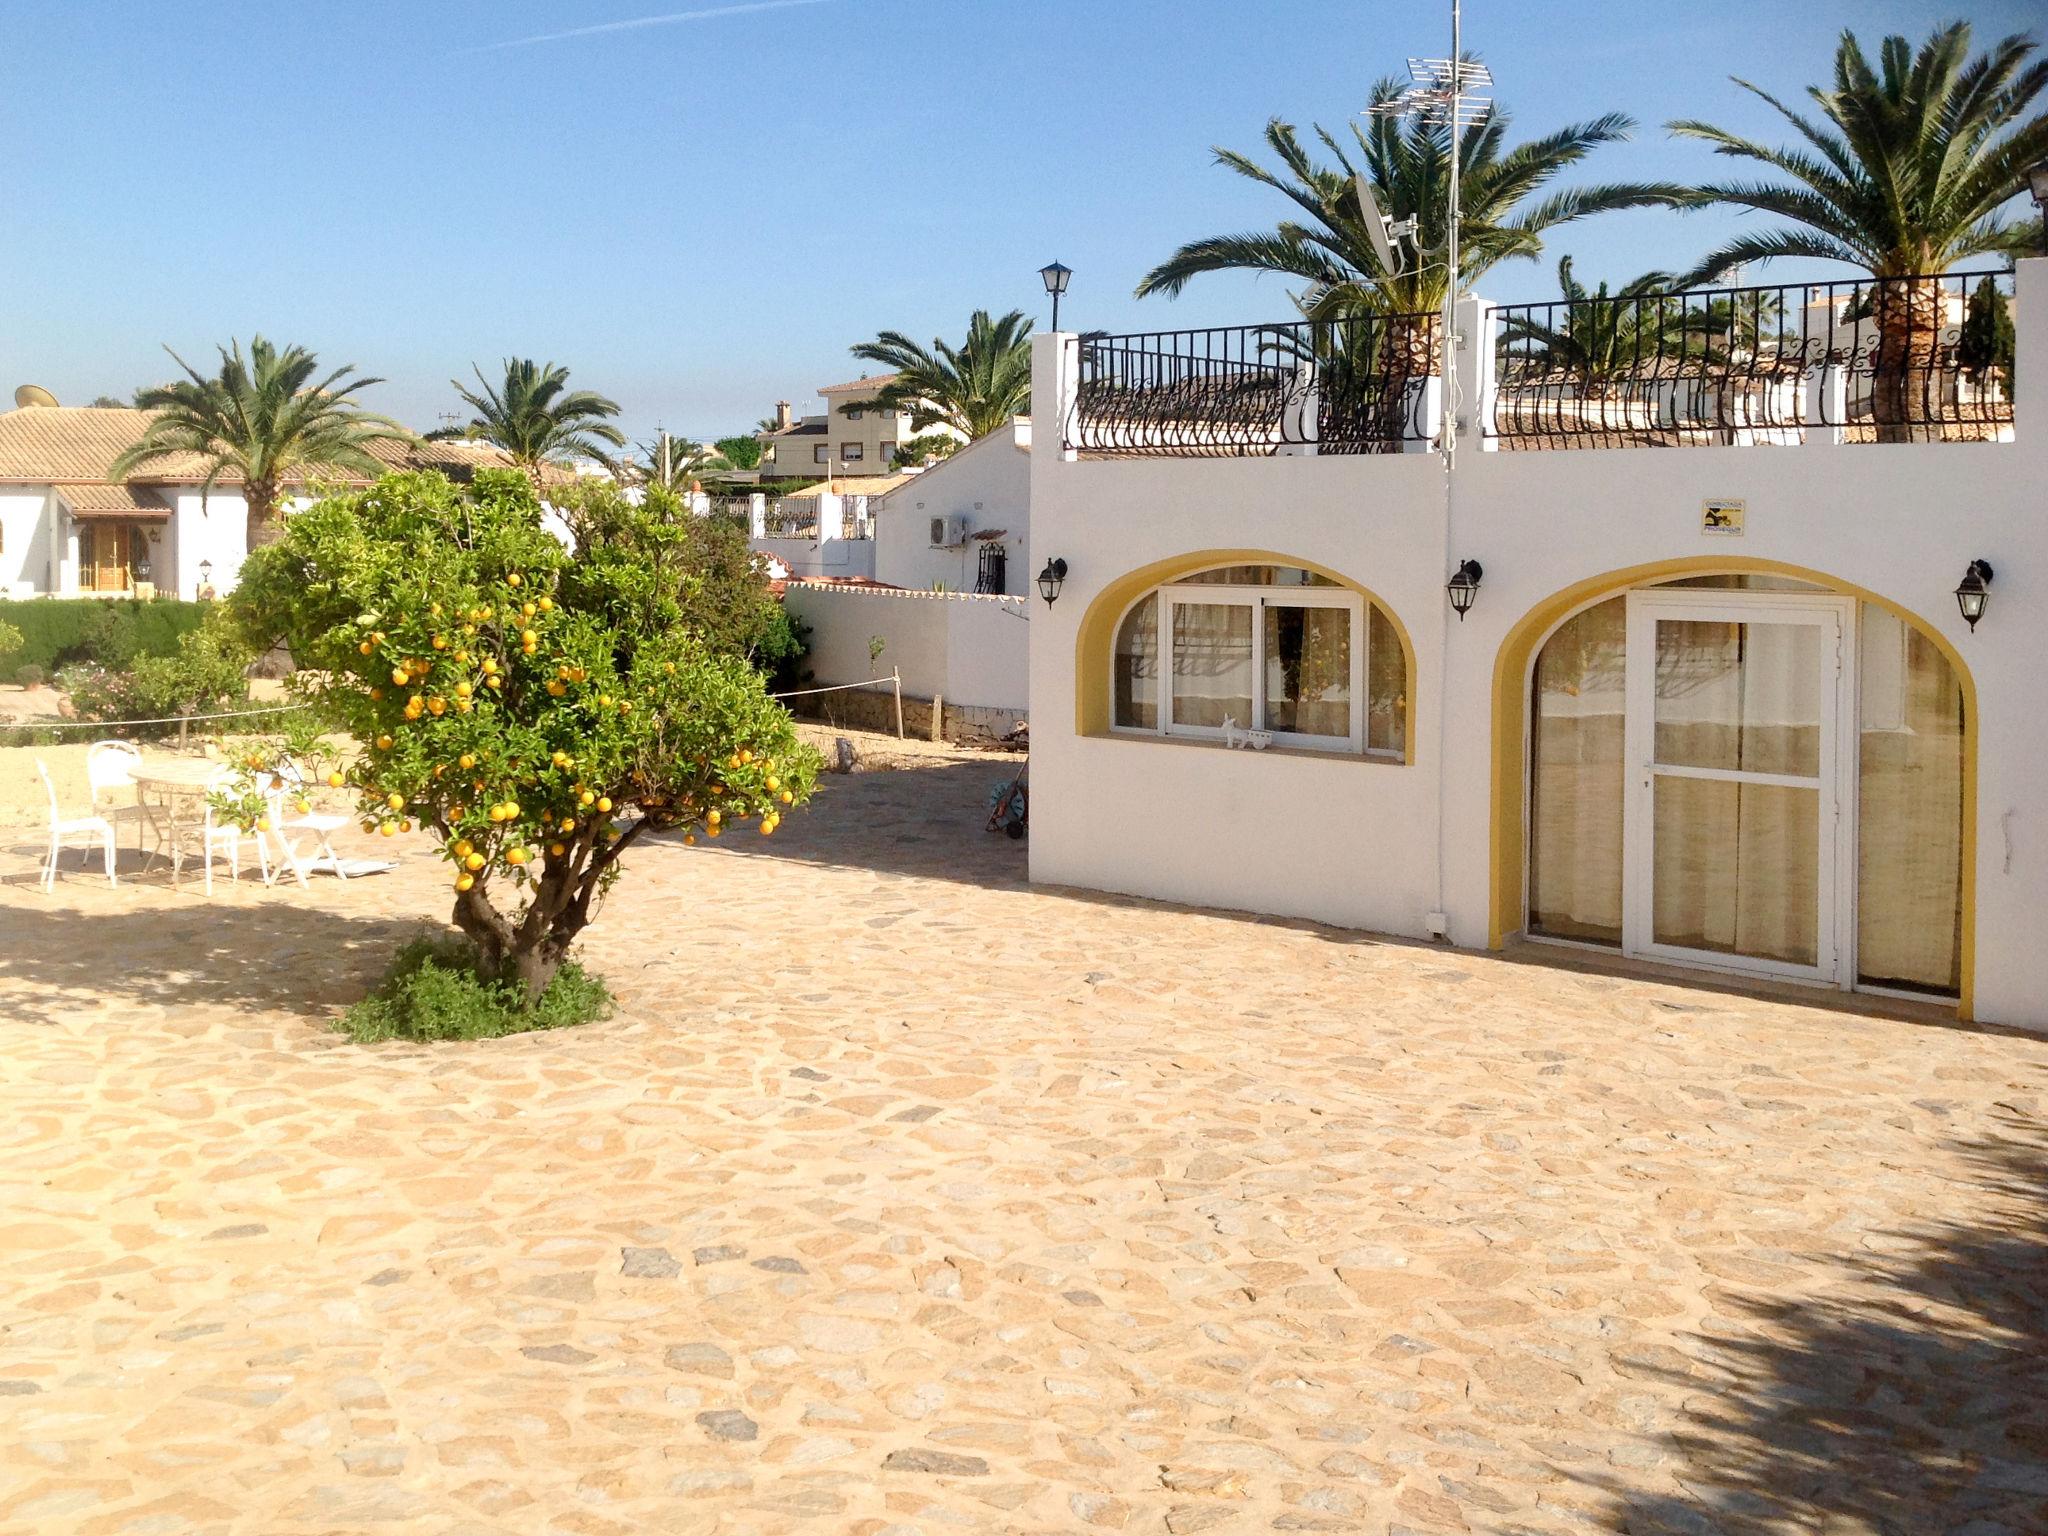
x: 1449, y: 93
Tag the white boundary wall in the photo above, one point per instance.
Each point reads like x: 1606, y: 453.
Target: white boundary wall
x: 1382, y: 845
x: 970, y: 651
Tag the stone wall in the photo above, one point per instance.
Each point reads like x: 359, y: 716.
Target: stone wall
x: 864, y: 710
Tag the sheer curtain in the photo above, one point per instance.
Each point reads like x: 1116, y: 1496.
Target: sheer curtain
x: 1576, y: 778
x: 1910, y: 860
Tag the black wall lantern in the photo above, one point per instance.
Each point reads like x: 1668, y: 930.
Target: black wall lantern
x: 1051, y: 579
x: 1055, y: 277
x: 1463, y: 587
x: 1974, y: 591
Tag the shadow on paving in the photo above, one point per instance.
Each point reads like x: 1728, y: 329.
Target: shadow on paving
x: 1911, y: 1398
x: 270, y: 955
x: 924, y: 822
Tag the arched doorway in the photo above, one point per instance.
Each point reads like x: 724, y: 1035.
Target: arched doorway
x: 1750, y: 769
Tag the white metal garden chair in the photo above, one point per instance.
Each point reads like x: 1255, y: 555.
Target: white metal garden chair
x: 292, y: 829
x: 97, y: 828
x: 112, y: 785
x: 225, y: 837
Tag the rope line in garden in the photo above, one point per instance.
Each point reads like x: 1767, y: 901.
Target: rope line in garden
x: 110, y: 725
x: 874, y: 682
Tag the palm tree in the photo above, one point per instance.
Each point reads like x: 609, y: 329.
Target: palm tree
x: 676, y: 466
x: 1602, y: 335
x: 974, y: 388
x: 1903, y: 175
x: 1407, y: 162
x: 537, y: 419
x: 262, y: 419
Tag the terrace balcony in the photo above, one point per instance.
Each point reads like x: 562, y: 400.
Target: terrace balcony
x: 1892, y: 360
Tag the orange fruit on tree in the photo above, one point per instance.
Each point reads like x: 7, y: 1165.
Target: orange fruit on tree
x: 389, y: 829
x: 335, y: 780
x: 395, y: 801
x: 464, y: 882
x: 473, y: 861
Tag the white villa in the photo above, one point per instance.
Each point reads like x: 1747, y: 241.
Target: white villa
x: 68, y: 529
x: 1762, y: 704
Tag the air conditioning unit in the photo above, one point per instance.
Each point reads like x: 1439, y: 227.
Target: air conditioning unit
x: 948, y: 532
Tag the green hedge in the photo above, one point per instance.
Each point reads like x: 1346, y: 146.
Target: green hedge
x: 111, y: 631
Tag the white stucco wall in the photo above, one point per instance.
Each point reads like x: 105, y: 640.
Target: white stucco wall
x: 965, y: 649
x: 989, y: 484
x: 1357, y: 842
x: 820, y: 557
x: 25, y: 548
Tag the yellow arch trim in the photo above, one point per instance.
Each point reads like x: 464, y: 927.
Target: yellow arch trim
x: 1511, y: 728
x: 1097, y: 634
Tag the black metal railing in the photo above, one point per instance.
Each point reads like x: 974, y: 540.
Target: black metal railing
x: 1905, y: 359
x: 1361, y: 385
x: 793, y: 517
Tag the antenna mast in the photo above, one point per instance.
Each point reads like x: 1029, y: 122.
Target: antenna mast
x: 1447, y: 92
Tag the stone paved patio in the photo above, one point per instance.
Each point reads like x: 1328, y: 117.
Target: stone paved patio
x: 901, y: 1198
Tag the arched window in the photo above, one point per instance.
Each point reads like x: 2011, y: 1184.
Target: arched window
x: 1262, y: 648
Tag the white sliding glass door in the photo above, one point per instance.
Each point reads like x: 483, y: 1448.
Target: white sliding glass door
x: 1734, y: 819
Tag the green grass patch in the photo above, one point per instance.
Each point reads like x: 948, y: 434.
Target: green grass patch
x: 433, y: 992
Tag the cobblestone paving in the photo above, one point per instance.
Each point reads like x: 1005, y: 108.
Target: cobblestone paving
x: 901, y: 1198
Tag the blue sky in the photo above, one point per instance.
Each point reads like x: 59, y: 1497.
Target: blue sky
x: 702, y: 216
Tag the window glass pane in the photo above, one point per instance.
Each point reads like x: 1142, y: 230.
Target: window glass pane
x: 1256, y: 576
x: 1308, y: 670
x: 1212, y: 664
x: 1575, y: 789
x: 1136, y: 681
x: 1737, y: 868
x: 1744, y: 696
x: 1910, y: 827
x: 1386, y: 686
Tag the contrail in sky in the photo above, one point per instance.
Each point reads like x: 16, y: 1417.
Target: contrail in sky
x: 670, y: 19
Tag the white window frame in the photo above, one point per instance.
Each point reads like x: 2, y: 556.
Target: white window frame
x: 1257, y: 599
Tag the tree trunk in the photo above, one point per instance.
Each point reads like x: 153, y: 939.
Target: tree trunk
x: 1408, y: 354
x: 527, y: 955
x: 264, y: 525
x: 1905, y: 402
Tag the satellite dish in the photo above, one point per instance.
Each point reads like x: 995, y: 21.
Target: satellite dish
x: 33, y: 394
x: 1375, y: 225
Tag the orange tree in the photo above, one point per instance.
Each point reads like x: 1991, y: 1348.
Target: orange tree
x: 536, y: 711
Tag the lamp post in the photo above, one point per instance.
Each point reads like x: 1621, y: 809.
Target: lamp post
x: 1055, y: 278
x: 205, y: 576
x: 2037, y: 183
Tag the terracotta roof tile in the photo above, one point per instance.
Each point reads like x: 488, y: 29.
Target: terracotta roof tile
x: 99, y: 499
x: 73, y: 445
x: 875, y: 382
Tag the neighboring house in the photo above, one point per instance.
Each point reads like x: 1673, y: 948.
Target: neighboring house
x: 964, y: 524
x: 850, y: 437
x: 1765, y: 706
x: 68, y: 528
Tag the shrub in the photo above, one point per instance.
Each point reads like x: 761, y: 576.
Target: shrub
x: 433, y: 992
x: 538, y: 711
x: 53, y: 631
x: 30, y: 676
x: 205, y: 675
